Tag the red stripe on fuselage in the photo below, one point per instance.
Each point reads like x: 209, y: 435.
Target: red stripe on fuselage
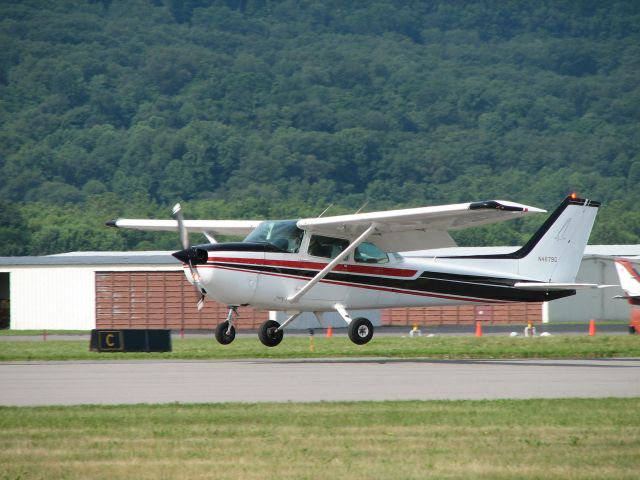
x: 343, y: 268
x: 367, y: 287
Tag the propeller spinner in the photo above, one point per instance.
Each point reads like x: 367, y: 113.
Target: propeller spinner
x: 189, y: 255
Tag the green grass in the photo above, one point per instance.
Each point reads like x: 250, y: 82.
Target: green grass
x: 524, y: 439
x: 39, y: 333
x: 600, y: 346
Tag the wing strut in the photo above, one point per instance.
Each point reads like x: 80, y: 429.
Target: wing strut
x: 331, y: 265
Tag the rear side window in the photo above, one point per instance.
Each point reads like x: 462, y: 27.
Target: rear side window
x: 327, y: 247
x: 369, y: 253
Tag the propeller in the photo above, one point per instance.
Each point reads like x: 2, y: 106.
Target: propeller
x: 190, y: 255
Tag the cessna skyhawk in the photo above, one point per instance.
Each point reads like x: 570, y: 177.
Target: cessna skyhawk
x: 351, y: 262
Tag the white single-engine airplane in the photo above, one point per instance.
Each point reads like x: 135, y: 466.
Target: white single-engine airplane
x: 350, y: 262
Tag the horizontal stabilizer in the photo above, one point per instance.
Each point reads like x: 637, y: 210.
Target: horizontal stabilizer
x: 537, y: 286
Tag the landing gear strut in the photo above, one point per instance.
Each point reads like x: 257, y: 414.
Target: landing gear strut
x: 225, y: 331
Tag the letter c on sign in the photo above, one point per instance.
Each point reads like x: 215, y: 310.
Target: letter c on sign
x: 109, y: 340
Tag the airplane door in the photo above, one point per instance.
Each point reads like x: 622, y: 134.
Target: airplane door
x: 332, y: 288
x: 320, y: 251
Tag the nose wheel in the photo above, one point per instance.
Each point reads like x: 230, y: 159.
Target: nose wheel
x: 225, y: 331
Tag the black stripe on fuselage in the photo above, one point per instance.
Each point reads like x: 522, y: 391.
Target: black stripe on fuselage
x: 486, y: 288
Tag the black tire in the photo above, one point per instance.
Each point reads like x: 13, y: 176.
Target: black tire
x: 221, y: 333
x: 269, y: 334
x: 360, y: 331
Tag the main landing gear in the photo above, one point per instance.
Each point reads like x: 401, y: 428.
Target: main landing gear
x: 360, y: 331
x: 271, y: 333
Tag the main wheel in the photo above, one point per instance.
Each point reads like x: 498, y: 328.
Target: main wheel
x: 221, y: 333
x: 360, y: 331
x: 269, y: 334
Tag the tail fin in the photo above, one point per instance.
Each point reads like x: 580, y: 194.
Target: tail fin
x: 554, y: 253
x: 629, y: 281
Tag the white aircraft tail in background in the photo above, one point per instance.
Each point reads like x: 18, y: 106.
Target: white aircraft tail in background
x: 629, y: 281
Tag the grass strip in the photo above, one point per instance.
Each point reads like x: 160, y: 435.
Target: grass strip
x: 40, y: 333
x: 488, y: 347
x: 502, y: 439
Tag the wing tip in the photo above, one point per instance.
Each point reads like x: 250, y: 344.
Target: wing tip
x: 505, y: 206
x: 112, y: 223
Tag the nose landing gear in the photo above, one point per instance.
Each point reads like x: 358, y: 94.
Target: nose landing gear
x: 225, y: 331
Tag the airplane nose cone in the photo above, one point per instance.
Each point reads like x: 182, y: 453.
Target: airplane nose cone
x: 193, y: 255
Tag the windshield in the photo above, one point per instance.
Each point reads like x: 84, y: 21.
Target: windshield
x: 284, y: 235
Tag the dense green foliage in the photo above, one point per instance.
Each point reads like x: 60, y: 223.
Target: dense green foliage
x: 249, y: 108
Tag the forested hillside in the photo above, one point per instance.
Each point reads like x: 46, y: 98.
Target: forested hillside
x: 255, y: 109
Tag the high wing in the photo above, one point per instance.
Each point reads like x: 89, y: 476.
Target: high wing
x: 210, y: 228
x: 418, y: 228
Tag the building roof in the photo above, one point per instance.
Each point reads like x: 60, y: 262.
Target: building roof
x: 591, y: 251
x: 94, y: 258
x: 165, y: 257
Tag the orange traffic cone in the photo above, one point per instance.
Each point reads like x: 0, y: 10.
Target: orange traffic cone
x: 478, y: 328
x: 592, y: 328
x: 330, y: 331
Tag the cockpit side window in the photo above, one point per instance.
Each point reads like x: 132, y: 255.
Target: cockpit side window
x: 285, y: 235
x: 368, y: 253
x: 326, y: 247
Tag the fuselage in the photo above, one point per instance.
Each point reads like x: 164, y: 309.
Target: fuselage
x: 263, y: 276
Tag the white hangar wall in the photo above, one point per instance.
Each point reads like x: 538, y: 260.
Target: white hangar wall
x: 53, y: 298
x: 58, y: 292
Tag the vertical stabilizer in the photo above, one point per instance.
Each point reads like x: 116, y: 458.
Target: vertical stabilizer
x: 554, y: 253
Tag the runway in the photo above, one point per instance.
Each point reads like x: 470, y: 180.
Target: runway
x: 130, y: 382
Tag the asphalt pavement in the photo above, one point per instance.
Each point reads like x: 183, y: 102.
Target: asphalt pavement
x: 131, y: 382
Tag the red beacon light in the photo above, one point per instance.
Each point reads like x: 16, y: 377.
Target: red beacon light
x: 573, y: 195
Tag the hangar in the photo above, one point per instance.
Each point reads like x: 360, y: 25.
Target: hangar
x: 86, y: 290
